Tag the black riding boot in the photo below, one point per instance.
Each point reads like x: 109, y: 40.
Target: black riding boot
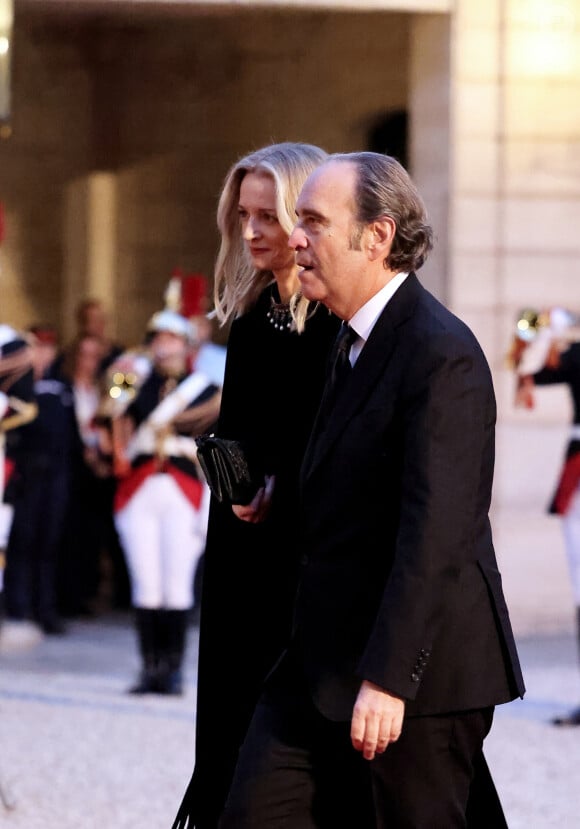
x: 573, y: 717
x: 175, y: 629
x: 147, y: 622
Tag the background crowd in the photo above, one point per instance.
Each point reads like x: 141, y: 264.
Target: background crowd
x: 63, y: 555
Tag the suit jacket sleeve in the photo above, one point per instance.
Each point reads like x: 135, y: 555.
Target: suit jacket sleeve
x: 447, y: 409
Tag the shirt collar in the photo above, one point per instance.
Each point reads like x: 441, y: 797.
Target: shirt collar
x: 365, y: 318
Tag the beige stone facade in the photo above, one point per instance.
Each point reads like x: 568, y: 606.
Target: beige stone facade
x: 124, y: 128
x: 515, y: 208
x: 126, y: 120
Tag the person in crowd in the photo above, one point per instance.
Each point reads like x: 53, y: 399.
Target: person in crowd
x: 277, y: 350
x: 89, y: 511
x: 17, y: 408
x: 48, y: 445
x: 161, y: 501
x: 91, y: 321
x: 192, y: 289
x: 552, y: 357
x: 401, y: 644
x: 209, y: 357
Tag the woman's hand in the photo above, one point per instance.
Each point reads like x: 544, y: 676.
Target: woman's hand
x: 257, y: 510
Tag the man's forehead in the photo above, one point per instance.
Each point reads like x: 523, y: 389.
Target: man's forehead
x: 331, y: 181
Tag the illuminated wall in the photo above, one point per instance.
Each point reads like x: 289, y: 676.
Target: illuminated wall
x: 123, y: 131
x: 515, y: 183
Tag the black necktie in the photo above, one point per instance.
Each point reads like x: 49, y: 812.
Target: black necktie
x: 340, y: 366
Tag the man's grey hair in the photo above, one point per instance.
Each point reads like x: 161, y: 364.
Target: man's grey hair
x: 384, y: 188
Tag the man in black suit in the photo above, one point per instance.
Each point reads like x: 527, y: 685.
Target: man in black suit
x: 402, y: 644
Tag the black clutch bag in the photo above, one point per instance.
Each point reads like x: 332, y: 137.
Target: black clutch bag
x: 232, y: 476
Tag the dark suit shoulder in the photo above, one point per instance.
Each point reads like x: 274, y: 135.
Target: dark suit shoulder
x: 441, y: 329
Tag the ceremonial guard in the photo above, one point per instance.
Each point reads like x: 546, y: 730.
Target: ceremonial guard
x: 41, y: 491
x: 17, y: 407
x: 162, y: 499
x: 546, y: 351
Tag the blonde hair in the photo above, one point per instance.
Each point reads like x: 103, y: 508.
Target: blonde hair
x: 237, y: 284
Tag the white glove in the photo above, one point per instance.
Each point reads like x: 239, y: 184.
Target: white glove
x: 535, y: 355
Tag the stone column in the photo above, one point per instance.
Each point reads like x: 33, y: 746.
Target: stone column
x: 515, y: 212
x: 429, y: 102
x: 90, y: 244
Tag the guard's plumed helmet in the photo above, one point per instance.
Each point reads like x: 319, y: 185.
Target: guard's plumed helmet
x: 168, y: 320
x: 185, y: 297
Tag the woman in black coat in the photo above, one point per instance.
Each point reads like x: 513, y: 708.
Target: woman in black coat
x: 276, y: 361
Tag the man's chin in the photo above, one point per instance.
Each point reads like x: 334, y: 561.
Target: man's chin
x: 308, y: 289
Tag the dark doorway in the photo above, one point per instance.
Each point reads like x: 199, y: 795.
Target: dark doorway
x: 388, y: 135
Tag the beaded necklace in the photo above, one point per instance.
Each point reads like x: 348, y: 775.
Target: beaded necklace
x: 279, y: 314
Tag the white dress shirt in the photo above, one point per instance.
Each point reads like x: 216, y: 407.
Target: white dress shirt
x: 365, y: 318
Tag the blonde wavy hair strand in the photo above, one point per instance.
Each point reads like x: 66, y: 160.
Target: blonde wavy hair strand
x: 237, y: 284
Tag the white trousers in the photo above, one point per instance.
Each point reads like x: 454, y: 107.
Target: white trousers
x: 571, y: 529
x: 163, y: 537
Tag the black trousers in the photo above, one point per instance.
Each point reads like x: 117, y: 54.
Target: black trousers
x: 37, y: 530
x: 298, y: 770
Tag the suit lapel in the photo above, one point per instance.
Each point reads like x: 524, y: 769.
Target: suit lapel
x: 371, y: 364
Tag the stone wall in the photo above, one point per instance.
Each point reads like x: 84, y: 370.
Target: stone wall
x: 50, y: 145
x: 163, y: 107
x: 515, y: 184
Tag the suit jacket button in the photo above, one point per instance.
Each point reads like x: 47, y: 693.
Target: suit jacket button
x: 415, y: 677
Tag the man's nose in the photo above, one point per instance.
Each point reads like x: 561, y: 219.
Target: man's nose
x: 297, y: 239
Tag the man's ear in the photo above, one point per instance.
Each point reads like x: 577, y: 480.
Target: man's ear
x: 381, y: 235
